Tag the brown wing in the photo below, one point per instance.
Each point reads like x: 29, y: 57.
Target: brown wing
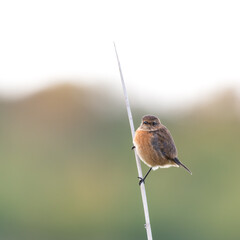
x: 163, y: 143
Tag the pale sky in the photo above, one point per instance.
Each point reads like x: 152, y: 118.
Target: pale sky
x: 172, y: 52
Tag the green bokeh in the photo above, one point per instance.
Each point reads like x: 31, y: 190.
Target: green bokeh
x: 68, y: 172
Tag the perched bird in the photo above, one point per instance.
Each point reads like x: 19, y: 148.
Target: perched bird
x: 155, y: 146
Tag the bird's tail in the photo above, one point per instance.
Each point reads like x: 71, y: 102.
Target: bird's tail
x: 180, y: 164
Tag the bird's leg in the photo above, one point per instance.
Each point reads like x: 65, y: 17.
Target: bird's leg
x: 143, y: 179
x: 133, y: 147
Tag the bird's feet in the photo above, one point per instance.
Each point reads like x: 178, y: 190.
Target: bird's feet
x: 141, y: 181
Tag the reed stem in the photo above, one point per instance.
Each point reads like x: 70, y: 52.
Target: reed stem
x: 142, y: 186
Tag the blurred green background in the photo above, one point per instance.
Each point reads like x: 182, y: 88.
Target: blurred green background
x: 67, y: 170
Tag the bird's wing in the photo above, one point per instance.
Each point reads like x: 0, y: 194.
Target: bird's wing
x: 163, y: 143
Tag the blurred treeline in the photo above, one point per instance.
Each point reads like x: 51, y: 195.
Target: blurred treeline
x: 67, y: 170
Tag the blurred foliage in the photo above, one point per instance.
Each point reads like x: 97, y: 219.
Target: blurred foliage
x: 68, y: 172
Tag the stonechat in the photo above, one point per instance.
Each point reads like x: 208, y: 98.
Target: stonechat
x: 155, y: 146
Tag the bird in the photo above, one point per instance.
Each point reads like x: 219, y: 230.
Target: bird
x: 155, y: 146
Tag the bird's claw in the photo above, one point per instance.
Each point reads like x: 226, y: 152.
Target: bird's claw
x: 141, y: 181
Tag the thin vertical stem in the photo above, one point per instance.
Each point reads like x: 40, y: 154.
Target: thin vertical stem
x: 142, y: 186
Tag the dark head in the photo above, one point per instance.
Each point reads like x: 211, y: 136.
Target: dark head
x: 150, y: 123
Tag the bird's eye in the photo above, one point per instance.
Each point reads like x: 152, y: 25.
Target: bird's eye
x: 154, y: 123
x: 145, y: 122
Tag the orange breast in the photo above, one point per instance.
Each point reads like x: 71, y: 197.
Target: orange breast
x: 142, y: 142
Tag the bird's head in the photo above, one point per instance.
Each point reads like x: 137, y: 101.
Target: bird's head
x: 150, y: 123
